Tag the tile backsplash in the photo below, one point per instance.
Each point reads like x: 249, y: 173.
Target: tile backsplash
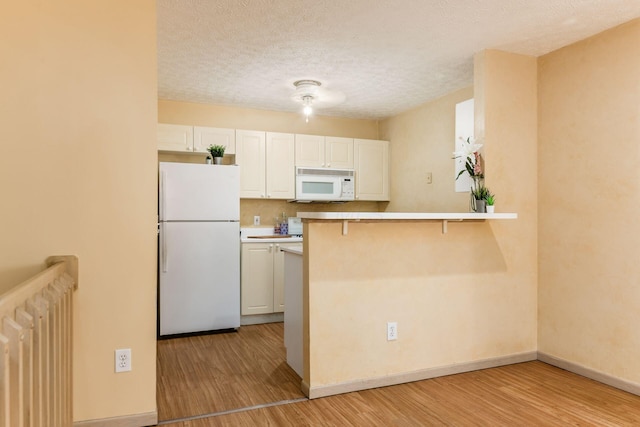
x: 270, y: 209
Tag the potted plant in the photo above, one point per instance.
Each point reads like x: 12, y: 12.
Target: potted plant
x: 217, y: 152
x: 480, y: 194
x: 491, y: 200
x: 474, y: 166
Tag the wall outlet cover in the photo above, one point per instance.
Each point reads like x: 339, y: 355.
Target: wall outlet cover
x: 123, y: 360
x: 392, y: 331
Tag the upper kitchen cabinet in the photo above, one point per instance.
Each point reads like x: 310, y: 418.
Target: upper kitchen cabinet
x: 324, y: 152
x: 309, y: 151
x: 175, y: 137
x: 204, y: 136
x: 372, y: 169
x: 194, y: 139
x: 281, y: 179
x: 266, y: 164
x: 251, y: 157
x: 338, y: 152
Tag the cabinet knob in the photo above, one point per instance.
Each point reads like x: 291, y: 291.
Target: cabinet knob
x: 270, y: 248
x: 262, y: 195
x: 328, y: 165
x: 268, y: 196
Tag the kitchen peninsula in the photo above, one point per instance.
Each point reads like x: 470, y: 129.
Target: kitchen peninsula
x: 449, y: 289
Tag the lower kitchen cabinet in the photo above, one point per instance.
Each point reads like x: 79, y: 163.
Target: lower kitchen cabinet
x: 262, y: 277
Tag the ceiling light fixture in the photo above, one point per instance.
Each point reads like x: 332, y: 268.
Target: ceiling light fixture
x: 306, y: 93
x: 307, y: 100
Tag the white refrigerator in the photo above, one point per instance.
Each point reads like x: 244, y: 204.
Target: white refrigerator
x: 199, y: 248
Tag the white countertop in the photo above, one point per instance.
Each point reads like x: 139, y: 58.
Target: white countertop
x: 247, y: 232
x: 453, y: 216
x: 294, y: 250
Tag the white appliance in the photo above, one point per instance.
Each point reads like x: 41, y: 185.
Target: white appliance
x: 324, y: 185
x: 295, y: 226
x: 199, y: 253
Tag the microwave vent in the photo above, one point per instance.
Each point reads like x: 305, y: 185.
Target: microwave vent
x: 325, y: 172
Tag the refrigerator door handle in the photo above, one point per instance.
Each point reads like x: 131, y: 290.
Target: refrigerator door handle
x: 163, y: 254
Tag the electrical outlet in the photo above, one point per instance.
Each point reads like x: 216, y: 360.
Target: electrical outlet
x: 429, y: 178
x: 256, y: 220
x: 123, y: 360
x: 392, y: 331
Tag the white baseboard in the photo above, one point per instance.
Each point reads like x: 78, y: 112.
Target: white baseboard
x: 257, y: 319
x: 423, y: 374
x: 304, y: 387
x: 576, y: 368
x: 136, y: 420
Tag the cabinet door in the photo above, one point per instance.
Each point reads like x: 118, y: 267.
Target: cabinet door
x: 278, y: 275
x: 250, y: 156
x: 310, y: 151
x: 203, y: 137
x: 339, y: 152
x: 281, y: 180
x: 372, y: 169
x: 175, y: 137
x: 257, y: 278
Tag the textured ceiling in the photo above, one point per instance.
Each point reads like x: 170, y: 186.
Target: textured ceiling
x: 385, y: 56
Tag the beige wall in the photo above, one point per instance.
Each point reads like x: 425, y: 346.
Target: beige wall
x: 460, y: 297
x: 271, y: 121
x: 78, y: 176
x: 422, y: 141
x: 589, y: 181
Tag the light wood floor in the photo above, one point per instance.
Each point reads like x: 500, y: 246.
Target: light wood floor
x: 525, y: 394
x: 214, y: 373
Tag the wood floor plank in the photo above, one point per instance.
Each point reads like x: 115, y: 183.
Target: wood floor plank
x: 216, y: 373
x: 525, y: 394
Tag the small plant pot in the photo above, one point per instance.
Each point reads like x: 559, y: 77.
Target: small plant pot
x: 481, y: 206
x: 490, y: 209
x: 217, y: 160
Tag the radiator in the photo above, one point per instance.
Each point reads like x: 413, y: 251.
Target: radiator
x: 36, y: 343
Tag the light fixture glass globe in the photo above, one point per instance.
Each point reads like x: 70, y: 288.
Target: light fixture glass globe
x: 307, y: 110
x: 306, y: 99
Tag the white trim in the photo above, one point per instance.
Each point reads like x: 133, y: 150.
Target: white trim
x: 135, y: 420
x: 304, y: 387
x: 409, y: 216
x: 593, y: 374
x: 258, y: 319
x: 423, y: 374
x: 465, y: 123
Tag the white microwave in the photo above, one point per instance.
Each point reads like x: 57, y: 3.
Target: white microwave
x: 324, y: 185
